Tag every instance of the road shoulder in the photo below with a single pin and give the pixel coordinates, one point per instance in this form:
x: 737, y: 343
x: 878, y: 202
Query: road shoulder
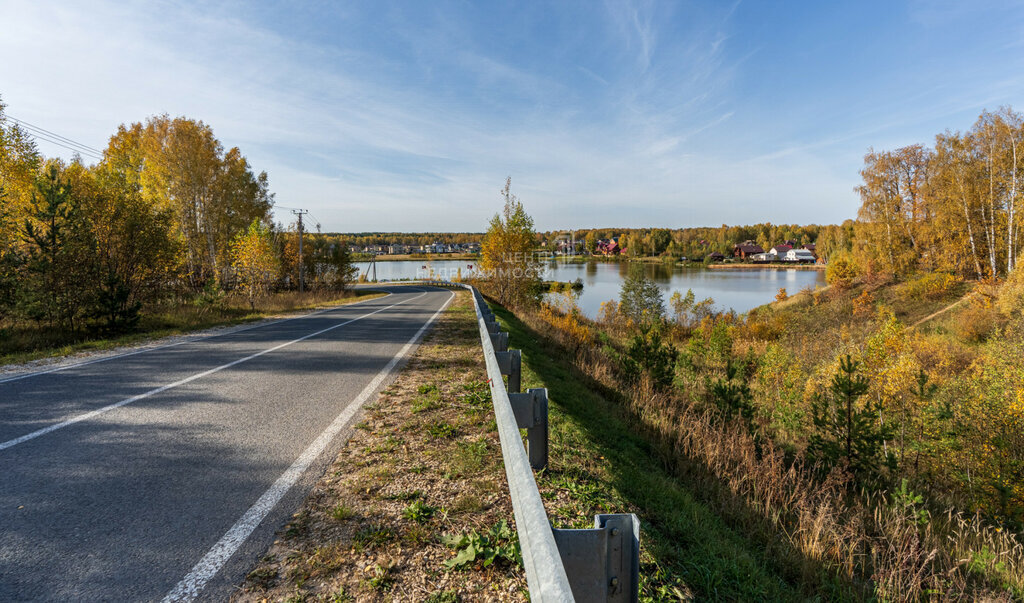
x: 424, y: 463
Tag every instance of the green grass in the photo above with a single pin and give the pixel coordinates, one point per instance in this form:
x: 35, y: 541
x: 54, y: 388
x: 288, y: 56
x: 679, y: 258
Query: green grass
x: 342, y: 512
x: 442, y: 431
x: 418, y: 511
x: 26, y: 341
x: 372, y: 536
x: 603, y: 467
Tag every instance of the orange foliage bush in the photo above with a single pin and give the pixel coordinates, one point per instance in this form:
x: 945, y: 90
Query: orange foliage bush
x: 864, y: 304
x: 564, y: 316
x: 978, y: 321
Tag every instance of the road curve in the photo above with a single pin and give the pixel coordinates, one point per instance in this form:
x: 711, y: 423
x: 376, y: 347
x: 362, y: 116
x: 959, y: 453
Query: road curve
x: 161, y: 475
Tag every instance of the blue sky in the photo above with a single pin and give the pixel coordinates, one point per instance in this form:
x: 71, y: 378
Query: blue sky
x: 409, y: 115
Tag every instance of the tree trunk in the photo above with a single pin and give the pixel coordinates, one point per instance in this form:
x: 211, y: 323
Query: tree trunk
x: 1010, y: 260
x: 992, y: 213
x: 970, y: 236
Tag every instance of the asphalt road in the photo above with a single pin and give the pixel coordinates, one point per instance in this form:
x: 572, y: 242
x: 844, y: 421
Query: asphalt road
x: 164, y: 474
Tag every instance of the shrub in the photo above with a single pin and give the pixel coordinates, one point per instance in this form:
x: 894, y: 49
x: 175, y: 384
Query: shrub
x: 841, y: 272
x: 1011, y: 296
x: 609, y: 312
x: 934, y: 285
x: 565, y: 318
x: 781, y: 296
x: 977, y: 322
x: 210, y: 298
x: 764, y: 326
x: 864, y: 304
x: 687, y: 311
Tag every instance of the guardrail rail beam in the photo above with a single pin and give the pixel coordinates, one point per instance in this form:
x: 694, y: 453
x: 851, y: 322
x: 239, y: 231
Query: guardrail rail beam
x: 601, y: 564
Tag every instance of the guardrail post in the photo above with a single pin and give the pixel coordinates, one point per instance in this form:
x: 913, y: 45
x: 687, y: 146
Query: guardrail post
x: 500, y: 341
x: 603, y: 563
x: 531, y: 411
x: 511, y: 364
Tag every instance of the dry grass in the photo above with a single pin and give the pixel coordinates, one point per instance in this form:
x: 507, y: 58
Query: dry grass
x: 23, y: 341
x: 424, y: 461
x: 824, y: 540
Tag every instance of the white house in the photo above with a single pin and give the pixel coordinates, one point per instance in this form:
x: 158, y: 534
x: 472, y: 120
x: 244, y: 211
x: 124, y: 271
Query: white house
x: 799, y: 255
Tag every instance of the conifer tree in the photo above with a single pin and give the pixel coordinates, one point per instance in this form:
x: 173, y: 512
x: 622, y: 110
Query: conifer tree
x: 60, y: 268
x: 848, y: 431
x: 640, y: 298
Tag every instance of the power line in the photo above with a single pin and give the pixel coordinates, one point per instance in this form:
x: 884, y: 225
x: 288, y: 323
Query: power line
x: 315, y: 219
x: 68, y: 147
x: 43, y: 138
x: 294, y: 210
x: 46, y: 132
x: 54, y: 138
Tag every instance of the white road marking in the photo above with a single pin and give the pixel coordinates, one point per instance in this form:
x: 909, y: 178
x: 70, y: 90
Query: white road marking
x: 152, y: 392
x: 171, y: 345
x: 211, y: 563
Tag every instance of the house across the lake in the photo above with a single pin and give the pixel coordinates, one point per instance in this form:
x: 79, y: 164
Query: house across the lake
x: 746, y: 249
x: 608, y: 247
x: 799, y: 255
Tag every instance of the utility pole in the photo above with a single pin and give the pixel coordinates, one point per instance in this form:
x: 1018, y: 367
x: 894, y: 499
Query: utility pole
x: 302, y: 283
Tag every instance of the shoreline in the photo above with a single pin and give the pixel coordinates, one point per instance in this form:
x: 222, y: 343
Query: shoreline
x: 408, y: 257
x: 463, y: 257
x: 816, y: 267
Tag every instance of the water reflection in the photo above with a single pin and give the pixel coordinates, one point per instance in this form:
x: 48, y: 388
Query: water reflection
x: 740, y: 290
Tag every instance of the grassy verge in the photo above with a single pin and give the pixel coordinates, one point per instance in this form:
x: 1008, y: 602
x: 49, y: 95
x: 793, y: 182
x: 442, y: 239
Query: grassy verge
x: 24, y: 342
x: 423, y: 464
x: 600, y: 465
x: 821, y: 536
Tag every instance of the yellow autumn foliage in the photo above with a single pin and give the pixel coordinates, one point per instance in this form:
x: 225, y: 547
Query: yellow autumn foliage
x: 255, y: 261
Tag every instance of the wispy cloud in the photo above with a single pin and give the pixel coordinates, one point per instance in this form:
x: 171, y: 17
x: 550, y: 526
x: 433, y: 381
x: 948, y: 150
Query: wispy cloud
x: 410, y: 116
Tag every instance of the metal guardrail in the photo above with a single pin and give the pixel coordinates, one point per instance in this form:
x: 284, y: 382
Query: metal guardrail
x: 597, y: 564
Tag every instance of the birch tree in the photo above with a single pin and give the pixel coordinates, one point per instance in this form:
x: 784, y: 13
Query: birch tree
x: 255, y: 261
x: 958, y: 207
x: 508, y: 255
x: 213, y: 194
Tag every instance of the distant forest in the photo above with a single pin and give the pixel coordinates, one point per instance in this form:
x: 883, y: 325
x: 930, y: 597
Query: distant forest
x: 692, y: 242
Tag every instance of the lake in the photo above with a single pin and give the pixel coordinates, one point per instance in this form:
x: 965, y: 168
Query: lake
x: 739, y: 290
